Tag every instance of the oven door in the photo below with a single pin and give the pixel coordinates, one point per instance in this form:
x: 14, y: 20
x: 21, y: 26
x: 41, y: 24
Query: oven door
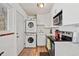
x: 66, y: 38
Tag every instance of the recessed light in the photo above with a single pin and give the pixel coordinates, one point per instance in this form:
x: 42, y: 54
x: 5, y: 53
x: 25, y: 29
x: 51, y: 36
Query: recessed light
x: 40, y: 5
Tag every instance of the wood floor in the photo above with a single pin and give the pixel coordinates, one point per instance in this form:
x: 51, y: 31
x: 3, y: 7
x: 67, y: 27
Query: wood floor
x: 33, y: 51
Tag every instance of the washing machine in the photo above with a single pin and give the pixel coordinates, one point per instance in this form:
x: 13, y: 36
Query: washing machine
x: 31, y: 25
x: 31, y: 40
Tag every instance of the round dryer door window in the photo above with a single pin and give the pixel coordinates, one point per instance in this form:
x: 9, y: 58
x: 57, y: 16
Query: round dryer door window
x: 30, y: 24
x: 30, y: 40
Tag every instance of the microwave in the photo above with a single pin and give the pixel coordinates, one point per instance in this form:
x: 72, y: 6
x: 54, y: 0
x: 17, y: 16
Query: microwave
x: 57, y: 19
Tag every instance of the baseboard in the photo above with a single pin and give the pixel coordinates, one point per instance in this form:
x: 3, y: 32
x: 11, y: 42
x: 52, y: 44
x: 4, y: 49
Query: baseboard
x: 41, y: 45
x: 20, y: 52
x: 30, y: 47
x: 46, y: 48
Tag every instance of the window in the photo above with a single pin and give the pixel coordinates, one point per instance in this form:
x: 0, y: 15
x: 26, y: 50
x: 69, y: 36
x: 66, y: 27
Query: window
x: 3, y: 18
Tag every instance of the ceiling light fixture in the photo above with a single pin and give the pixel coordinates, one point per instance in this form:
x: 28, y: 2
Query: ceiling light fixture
x: 40, y: 5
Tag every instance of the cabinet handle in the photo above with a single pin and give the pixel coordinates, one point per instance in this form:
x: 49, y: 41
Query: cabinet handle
x: 1, y: 53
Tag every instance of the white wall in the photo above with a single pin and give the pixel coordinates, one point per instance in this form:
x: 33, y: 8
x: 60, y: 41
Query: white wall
x: 67, y: 28
x: 18, y: 8
x: 46, y: 20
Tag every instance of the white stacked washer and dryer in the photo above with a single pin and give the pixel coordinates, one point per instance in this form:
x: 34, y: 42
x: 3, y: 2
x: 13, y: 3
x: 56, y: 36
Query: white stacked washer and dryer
x: 30, y: 41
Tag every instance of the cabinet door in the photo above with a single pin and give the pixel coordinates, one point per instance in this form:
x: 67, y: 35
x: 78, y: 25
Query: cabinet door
x: 3, y: 45
x: 7, y: 44
x: 70, y: 13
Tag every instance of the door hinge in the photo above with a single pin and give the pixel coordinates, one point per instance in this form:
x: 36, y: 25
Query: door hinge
x: 24, y: 43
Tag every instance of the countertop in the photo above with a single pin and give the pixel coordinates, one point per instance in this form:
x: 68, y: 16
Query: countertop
x: 4, y: 33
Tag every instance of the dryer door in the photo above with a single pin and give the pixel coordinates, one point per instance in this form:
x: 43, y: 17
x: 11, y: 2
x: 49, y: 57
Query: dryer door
x: 30, y: 26
x: 30, y: 40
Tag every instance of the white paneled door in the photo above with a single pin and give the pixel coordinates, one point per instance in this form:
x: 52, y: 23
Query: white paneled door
x: 19, y: 32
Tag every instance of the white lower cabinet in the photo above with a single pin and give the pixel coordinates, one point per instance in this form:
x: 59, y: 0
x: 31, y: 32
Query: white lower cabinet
x: 66, y: 49
x: 7, y: 44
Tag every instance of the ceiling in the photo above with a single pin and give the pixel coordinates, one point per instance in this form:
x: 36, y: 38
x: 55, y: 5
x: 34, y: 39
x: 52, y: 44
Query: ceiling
x: 32, y: 9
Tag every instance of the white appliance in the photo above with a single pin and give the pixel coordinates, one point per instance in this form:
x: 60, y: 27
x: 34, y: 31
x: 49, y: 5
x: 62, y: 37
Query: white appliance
x: 76, y: 37
x: 41, y: 39
x: 31, y: 25
x: 30, y: 40
x: 66, y: 36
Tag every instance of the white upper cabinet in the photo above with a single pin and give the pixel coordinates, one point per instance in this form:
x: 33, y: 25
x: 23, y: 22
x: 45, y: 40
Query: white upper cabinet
x: 70, y: 12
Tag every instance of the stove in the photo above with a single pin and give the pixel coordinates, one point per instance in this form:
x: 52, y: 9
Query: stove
x: 66, y: 36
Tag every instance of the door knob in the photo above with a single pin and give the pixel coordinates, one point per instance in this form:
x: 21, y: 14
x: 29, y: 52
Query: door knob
x: 17, y: 36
